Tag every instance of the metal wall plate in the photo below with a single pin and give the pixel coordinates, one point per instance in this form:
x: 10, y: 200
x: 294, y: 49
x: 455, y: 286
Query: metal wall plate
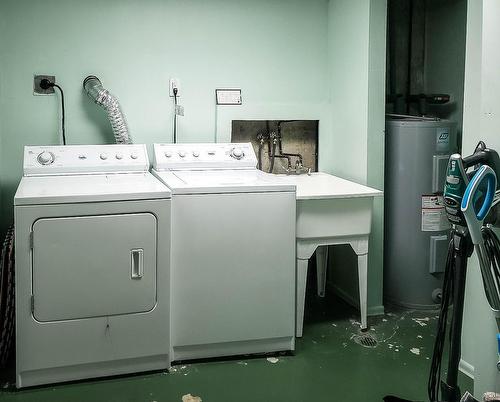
x: 37, y: 90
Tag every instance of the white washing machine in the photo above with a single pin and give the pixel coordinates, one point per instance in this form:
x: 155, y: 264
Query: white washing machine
x: 92, y: 230
x: 233, y: 252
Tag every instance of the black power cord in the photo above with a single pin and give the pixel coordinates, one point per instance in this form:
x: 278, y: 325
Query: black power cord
x: 46, y: 84
x: 175, y: 90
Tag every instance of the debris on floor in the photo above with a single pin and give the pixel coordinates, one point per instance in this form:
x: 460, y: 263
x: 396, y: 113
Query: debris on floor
x: 421, y: 321
x: 190, y: 398
x: 326, y: 349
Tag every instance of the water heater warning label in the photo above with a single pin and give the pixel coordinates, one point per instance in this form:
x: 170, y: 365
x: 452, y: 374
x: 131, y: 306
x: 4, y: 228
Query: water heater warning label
x: 434, y: 217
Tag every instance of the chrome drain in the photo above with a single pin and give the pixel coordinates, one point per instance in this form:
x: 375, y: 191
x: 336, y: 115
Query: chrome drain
x: 366, y: 340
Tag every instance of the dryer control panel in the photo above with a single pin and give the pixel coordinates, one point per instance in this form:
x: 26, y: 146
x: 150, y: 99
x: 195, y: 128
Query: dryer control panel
x: 85, y: 159
x: 204, y: 156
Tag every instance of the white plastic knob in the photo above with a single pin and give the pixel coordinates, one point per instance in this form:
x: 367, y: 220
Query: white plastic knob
x: 104, y: 156
x: 134, y: 155
x: 119, y: 155
x: 182, y: 154
x: 237, y: 153
x: 168, y: 154
x: 196, y: 154
x: 46, y: 158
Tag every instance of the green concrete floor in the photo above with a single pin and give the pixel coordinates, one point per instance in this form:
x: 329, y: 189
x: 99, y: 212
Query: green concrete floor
x: 328, y: 366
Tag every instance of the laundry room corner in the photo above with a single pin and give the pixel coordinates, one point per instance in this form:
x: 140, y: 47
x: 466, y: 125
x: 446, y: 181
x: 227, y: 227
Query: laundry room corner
x: 357, y: 96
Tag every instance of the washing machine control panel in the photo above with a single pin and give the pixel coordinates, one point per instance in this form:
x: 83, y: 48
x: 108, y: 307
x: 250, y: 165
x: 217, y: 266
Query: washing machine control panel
x: 204, y: 156
x: 85, y: 159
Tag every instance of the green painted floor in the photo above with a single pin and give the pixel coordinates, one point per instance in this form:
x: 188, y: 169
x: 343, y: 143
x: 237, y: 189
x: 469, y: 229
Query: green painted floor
x: 328, y: 366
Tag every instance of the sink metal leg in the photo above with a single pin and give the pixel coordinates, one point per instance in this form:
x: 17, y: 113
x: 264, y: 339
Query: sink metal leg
x: 363, y: 288
x: 321, y: 267
x: 301, y: 295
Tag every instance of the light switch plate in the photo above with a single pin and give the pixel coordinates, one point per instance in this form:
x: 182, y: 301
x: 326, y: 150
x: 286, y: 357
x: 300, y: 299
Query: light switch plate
x: 37, y: 90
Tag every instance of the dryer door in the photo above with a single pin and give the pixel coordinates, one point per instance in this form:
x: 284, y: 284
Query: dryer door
x: 91, y: 266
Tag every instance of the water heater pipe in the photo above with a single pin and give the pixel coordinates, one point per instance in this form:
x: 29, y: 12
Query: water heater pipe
x: 94, y: 89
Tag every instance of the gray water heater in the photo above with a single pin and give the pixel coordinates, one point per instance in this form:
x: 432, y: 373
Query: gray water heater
x: 416, y: 228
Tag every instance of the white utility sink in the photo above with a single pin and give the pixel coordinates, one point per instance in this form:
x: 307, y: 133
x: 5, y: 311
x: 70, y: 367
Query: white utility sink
x: 330, y: 211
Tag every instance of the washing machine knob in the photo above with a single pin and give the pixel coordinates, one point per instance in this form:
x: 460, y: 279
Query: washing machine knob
x: 103, y: 156
x: 237, y: 153
x: 46, y: 158
x: 168, y: 154
x: 196, y: 154
x: 119, y: 155
x: 134, y: 155
x: 182, y: 154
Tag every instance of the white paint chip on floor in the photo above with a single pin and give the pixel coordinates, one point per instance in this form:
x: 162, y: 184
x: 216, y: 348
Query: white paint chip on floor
x: 421, y: 321
x: 415, y: 351
x: 273, y: 360
x: 190, y: 398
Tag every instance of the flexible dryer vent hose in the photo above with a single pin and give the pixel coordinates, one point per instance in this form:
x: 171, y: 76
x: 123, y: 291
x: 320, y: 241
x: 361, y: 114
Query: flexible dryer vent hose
x: 94, y: 89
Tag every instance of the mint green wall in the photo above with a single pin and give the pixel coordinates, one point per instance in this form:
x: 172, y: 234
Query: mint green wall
x: 357, y: 38
x: 348, y: 43
x: 292, y: 58
x: 375, y: 146
x: 276, y: 51
x: 481, y: 121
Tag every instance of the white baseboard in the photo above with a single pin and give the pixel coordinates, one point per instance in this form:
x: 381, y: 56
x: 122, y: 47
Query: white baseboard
x: 466, y: 368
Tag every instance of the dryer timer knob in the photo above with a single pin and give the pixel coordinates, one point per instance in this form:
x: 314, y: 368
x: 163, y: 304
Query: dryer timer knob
x: 46, y: 158
x: 237, y: 153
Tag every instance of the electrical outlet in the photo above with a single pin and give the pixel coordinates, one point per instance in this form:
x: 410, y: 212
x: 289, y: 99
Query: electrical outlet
x: 37, y: 90
x: 174, y: 83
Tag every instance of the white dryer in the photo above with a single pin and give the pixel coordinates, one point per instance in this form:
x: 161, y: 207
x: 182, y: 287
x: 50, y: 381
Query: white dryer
x: 233, y: 252
x: 92, y: 229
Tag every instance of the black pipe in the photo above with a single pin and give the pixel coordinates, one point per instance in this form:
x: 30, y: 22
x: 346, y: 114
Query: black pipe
x: 280, y: 146
x: 271, y: 156
x: 259, y: 163
x: 289, y: 162
x: 410, y: 44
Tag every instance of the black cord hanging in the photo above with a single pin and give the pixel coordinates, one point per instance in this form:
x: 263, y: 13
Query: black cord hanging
x: 63, y: 112
x: 45, y: 84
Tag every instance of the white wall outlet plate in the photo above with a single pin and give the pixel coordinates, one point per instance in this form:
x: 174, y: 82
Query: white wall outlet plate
x: 174, y: 83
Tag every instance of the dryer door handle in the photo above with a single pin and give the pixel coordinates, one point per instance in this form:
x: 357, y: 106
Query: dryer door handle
x: 136, y: 263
